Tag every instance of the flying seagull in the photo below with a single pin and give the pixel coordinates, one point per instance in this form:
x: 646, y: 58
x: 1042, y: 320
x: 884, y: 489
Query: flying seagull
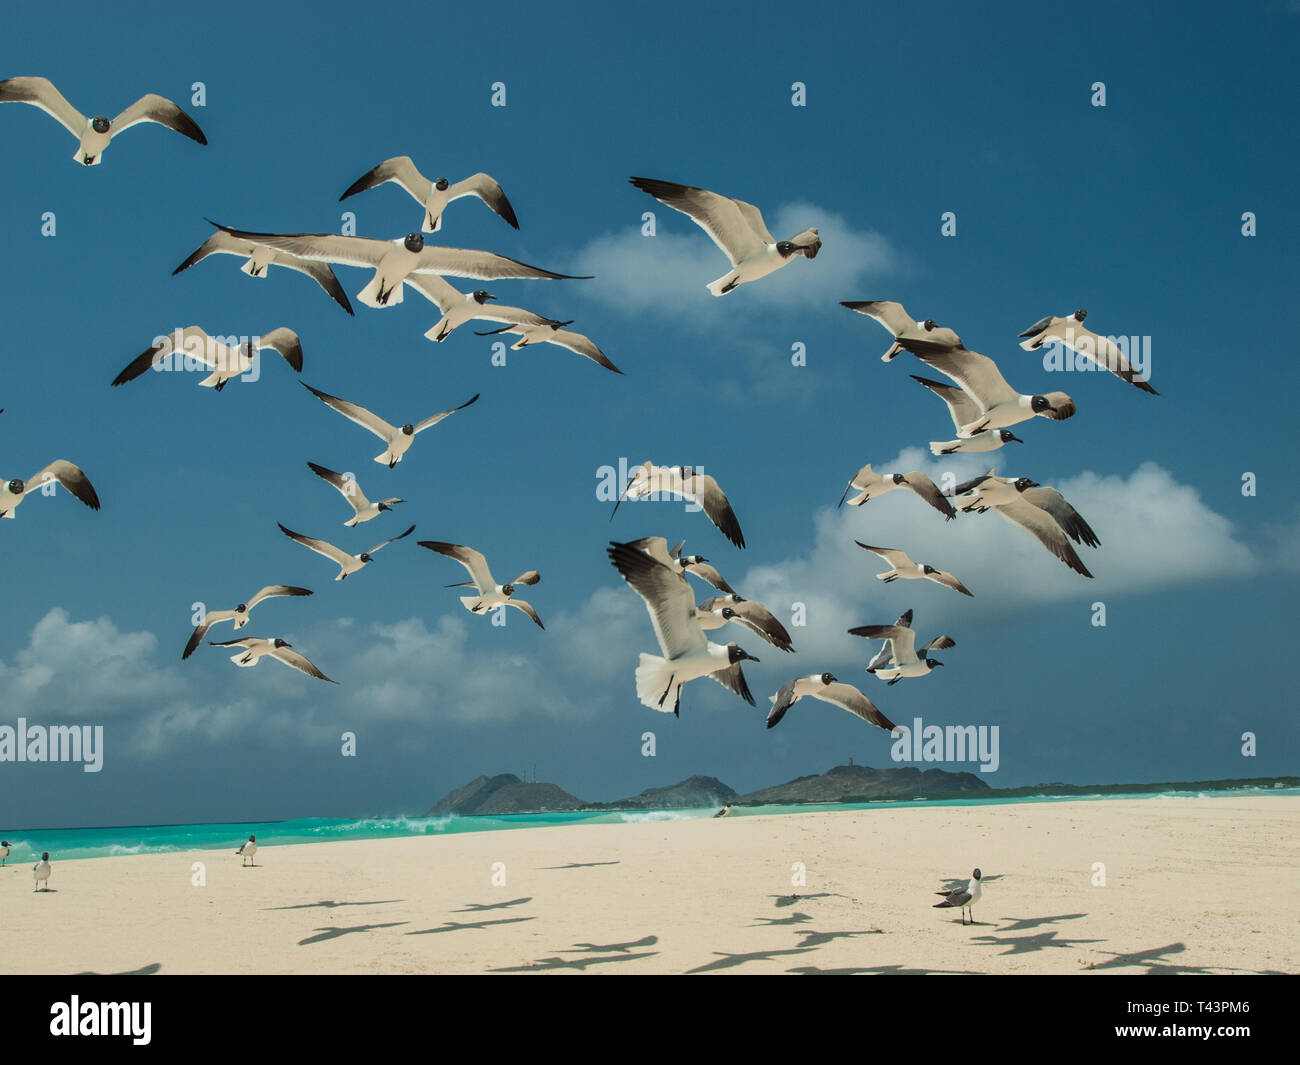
x: 898, y: 657
x: 393, y: 261
x: 239, y: 615
x: 41, y: 873
x: 869, y: 485
x: 259, y: 259
x: 922, y: 335
x: 902, y: 566
x: 998, y: 404
x: 752, y: 615
x: 434, y: 195
x: 94, y: 134
x: 65, y: 473
x: 225, y: 362
x: 657, y: 548
x: 247, y: 850
x: 255, y: 649
x: 363, y: 509
x: 490, y: 594
x: 548, y: 331
x: 1101, y: 351
x: 964, y: 410
x: 825, y: 687
x: 686, y: 483
x: 1041, y: 511
x: 687, y: 652
x: 348, y: 564
x: 963, y: 897
x: 737, y: 228
x: 398, y: 439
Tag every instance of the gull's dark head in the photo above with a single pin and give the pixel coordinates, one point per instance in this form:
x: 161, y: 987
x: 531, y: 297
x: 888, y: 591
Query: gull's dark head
x: 928, y: 569
x: 1080, y: 315
x: 252, y: 839
x: 828, y: 678
x: 442, y: 184
x: 414, y: 242
x: 45, y: 856
x: 100, y: 124
x: 480, y: 296
x: 383, y: 506
x: 786, y: 248
x: 932, y: 662
x: 1022, y: 483
x: 976, y: 874
x: 16, y: 487
x: 507, y: 590
x: 693, y: 560
x: 364, y: 556
x: 1039, y: 404
x: 242, y: 608
x: 281, y: 643
x: 928, y: 325
x: 408, y: 429
x: 735, y: 654
x: 1007, y: 436
x: 898, y: 478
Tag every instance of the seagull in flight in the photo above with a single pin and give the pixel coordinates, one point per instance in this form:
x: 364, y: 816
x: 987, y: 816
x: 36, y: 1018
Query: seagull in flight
x: 898, y: 658
x: 255, y: 649
x: 397, y: 438
x: 716, y: 612
x: 870, y: 485
x: 687, y: 652
x: 434, y: 195
x: 737, y: 228
x: 65, y: 473
x: 259, y: 260
x: 348, y: 564
x: 828, y: 689
x: 1101, y: 351
x: 239, y: 615
x: 393, y: 261
x: 1038, y: 509
x: 689, y: 484
x: 225, y: 362
x: 93, y: 134
x: 490, y: 594
x: 963, y: 897
x: 902, y: 566
x: 963, y: 411
x: 657, y: 548
x: 363, y: 509
x: 905, y: 328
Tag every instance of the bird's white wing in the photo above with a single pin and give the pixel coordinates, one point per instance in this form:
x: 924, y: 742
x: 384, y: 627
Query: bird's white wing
x: 849, y: 698
x: 401, y: 171
x: 581, y: 345
x: 486, y: 189
x: 483, y: 265
x: 896, y: 558
x: 321, y: 547
x: 40, y: 92
x: 469, y: 558
x: 155, y: 108
x: 272, y: 591
x: 391, y: 539
x: 347, y: 486
x: 290, y: 657
x: 527, y: 609
x: 667, y: 598
x: 977, y: 374
x: 1069, y: 519
x: 323, y: 247
x: 1045, y: 529
x: 736, y: 227
x: 68, y: 475
x: 705, y: 489
x: 888, y: 313
x: 961, y: 406
x: 436, y: 418
x: 355, y: 413
x: 285, y: 342
x: 437, y: 291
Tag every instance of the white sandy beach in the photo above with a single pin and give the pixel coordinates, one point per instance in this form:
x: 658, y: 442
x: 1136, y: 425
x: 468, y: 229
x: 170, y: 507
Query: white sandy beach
x: 1192, y: 885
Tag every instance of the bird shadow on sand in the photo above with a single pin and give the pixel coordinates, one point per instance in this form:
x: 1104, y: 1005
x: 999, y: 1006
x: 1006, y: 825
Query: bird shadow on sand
x: 612, y: 948
x: 330, y: 904
x: 144, y: 970
x: 879, y: 970
x: 335, y: 933
x: 581, y: 964
x: 579, y: 865
x: 464, y: 926
x: 1029, y: 944
x: 730, y: 961
x: 771, y: 922
x: 480, y: 907
x: 1023, y: 924
x: 820, y: 939
x: 1153, y: 962
x: 790, y: 900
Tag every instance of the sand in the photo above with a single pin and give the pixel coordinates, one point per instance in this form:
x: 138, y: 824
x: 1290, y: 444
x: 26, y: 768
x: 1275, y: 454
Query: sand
x: 1191, y: 885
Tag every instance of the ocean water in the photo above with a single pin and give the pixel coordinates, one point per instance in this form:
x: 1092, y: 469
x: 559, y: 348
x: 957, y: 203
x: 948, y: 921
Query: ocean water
x: 64, y: 844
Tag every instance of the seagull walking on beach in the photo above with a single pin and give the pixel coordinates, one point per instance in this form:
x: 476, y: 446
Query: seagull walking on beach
x: 899, y: 657
x: 71, y: 477
x: 490, y: 594
x: 225, y: 362
x: 686, y: 483
x: 256, y: 648
x: 901, y: 566
x: 905, y: 328
x: 398, y: 439
x: 963, y: 897
x: 348, y: 564
x: 363, y: 509
x: 828, y: 689
x: 1101, y: 351
x: 94, y: 134
x: 687, y: 652
x: 434, y: 195
x: 870, y: 485
x: 737, y: 228
x: 239, y: 615
x: 41, y: 873
x: 247, y: 850
x: 964, y: 411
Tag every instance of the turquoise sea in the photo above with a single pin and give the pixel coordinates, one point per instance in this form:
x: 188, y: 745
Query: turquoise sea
x: 67, y: 843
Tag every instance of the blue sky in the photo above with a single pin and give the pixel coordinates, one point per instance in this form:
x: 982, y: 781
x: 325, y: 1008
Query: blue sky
x: 1132, y: 211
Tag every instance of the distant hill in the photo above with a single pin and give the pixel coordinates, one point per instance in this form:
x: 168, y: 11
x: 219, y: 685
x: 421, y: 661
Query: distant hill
x: 505, y: 794
x: 692, y: 792
x: 860, y: 783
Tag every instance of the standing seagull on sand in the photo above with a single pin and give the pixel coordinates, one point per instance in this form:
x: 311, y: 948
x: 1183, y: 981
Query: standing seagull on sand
x: 363, y: 509
x: 41, y: 871
x: 71, y: 477
x: 869, y: 485
x: 247, y: 850
x: 737, y: 228
x: 905, y: 328
x: 963, y: 897
x: 898, y: 657
x: 963, y: 410
x: 256, y: 648
x: 687, y: 652
x: 93, y: 134
x: 825, y: 687
x: 4, y: 851
x: 398, y: 439
x: 490, y: 594
x: 348, y: 564
x: 685, y: 483
x: 239, y: 615
x: 902, y: 566
x: 434, y: 195
x: 1101, y: 351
